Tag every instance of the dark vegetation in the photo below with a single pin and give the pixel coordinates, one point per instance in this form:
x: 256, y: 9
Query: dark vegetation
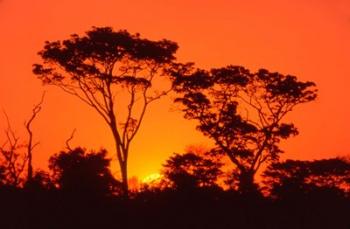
x: 243, y: 112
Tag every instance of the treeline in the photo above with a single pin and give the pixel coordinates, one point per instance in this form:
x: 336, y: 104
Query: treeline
x: 194, y: 191
x: 78, y: 172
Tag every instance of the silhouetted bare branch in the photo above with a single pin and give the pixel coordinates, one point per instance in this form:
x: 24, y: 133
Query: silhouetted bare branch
x: 68, y: 147
x: 13, y: 159
x: 30, y: 145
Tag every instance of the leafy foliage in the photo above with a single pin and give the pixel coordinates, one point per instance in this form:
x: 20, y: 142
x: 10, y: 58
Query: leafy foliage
x: 189, y: 170
x: 78, y: 172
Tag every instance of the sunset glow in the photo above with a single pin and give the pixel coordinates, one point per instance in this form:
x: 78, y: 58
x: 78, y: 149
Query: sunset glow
x: 309, y: 39
x: 154, y: 177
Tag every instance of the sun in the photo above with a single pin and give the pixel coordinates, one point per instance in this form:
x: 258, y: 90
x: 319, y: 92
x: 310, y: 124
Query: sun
x: 152, y: 178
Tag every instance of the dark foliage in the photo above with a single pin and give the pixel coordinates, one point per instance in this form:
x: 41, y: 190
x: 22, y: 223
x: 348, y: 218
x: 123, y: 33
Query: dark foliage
x: 80, y: 173
x: 293, y: 178
x: 83, y: 198
x: 190, y: 170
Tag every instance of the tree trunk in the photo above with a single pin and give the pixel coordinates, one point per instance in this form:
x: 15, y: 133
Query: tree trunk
x: 246, y: 183
x: 123, y: 161
x: 124, y: 173
x: 30, y: 168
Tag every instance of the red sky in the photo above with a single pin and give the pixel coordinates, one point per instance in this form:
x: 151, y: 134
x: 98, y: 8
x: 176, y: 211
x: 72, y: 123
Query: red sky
x: 309, y: 39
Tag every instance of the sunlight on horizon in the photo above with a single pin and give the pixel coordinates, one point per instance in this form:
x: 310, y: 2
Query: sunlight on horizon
x: 152, y: 178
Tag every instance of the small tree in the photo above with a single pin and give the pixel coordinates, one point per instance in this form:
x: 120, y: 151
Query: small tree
x: 13, y: 158
x: 242, y: 112
x: 190, y: 170
x: 115, y: 73
x: 78, y: 172
x: 16, y: 156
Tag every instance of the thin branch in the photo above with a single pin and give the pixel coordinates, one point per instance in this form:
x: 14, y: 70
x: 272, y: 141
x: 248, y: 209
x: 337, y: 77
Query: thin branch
x: 13, y: 166
x: 70, y: 139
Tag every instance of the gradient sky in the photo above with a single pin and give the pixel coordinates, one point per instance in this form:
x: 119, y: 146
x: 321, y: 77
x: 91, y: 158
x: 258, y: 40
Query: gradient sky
x: 309, y: 39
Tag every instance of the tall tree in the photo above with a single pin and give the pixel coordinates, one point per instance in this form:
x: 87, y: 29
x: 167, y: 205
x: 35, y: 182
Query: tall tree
x: 115, y: 73
x: 242, y: 112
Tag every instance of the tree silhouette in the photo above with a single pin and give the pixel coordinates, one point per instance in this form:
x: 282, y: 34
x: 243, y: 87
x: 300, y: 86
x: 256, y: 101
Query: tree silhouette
x: 81, y: 173
x: 16, y: 155
x: 31, y: 145
x: 242, y: 112
x: 291, y: 177
x: 41, y: 180
x: 115, y: 73
x: 13, y: 158
x: 189, y: 170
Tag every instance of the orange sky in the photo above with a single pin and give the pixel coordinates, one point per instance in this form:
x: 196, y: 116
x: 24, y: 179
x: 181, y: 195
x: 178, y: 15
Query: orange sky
x: 310, y: 39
